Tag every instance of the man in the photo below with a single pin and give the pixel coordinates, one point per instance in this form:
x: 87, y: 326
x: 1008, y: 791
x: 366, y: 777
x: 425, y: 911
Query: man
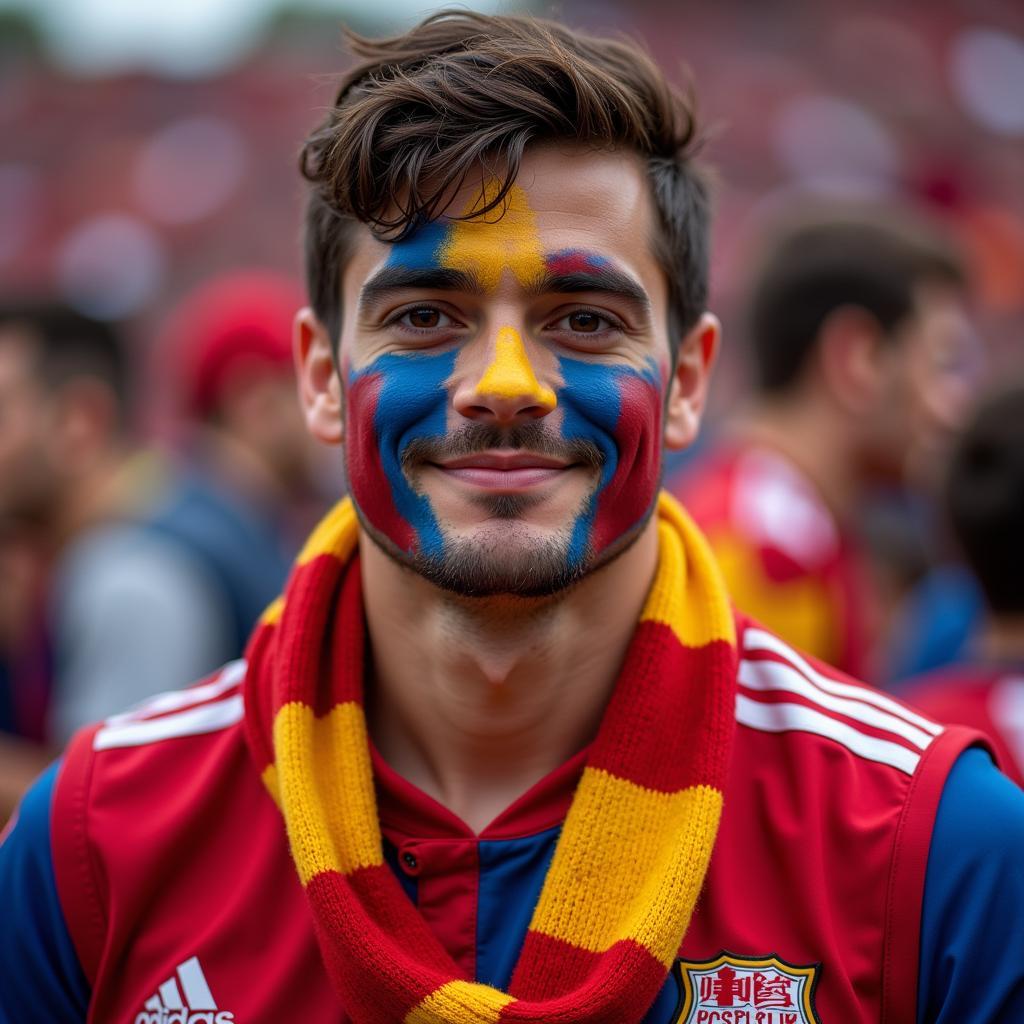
x: 66, y: 467
x: 863, y: 359
x: 247, y: 464
x: 984, y: 496
x: 496, y: 707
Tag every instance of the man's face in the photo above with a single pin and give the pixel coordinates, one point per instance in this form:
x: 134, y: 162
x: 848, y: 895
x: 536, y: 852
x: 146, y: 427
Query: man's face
x: 937, y: 367
x: 505, y: 379
x: 27, y: 473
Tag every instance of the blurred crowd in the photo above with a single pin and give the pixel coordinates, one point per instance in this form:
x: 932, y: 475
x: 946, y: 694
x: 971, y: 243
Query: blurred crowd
x: 860, y: 474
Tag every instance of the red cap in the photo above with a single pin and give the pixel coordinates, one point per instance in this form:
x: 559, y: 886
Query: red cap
x: 244, y: 317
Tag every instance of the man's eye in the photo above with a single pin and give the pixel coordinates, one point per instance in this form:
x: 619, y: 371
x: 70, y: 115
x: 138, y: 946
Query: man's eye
x: 584, y: 321
x: 425, y: 318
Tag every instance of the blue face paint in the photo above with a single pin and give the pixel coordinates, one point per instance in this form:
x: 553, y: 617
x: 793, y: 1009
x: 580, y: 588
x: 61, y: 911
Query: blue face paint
x: 422, y: 250
x: 618, y: 409
x: 397, y: 399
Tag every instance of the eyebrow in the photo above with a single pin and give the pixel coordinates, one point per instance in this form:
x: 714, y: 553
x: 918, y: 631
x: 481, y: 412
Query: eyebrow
x: 395, y: 278
x: 602, y: 278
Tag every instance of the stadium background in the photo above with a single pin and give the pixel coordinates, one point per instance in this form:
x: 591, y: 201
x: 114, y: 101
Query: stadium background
x: 147, y: 147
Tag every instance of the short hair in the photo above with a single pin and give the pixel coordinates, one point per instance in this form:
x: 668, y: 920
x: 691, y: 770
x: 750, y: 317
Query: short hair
x: 984, y: 497
x: 461, y: 90
x: 820, y: 260
x: 66, y: 346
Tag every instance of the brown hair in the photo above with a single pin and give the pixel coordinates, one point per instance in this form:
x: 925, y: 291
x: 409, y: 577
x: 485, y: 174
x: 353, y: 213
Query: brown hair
x: 816, y: 259
x: 462, y: 92
x: 984, y: 496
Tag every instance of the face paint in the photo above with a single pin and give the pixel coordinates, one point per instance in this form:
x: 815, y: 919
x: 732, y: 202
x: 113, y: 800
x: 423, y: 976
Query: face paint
x: 400, y: 402
x: 619, y: 410
x: 395, y: 400
x: 484, y: 249
x: 511, y: 376
x: 401, y: 398
x: 572, y: 261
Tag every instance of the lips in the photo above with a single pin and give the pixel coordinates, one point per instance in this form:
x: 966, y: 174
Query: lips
x: 504, y: 471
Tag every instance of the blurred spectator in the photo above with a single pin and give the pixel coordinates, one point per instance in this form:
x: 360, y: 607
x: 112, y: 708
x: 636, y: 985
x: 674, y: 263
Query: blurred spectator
x: 66, y: 467
x: 985, y: 499
x: 222, y: 530
x: 858, y: 326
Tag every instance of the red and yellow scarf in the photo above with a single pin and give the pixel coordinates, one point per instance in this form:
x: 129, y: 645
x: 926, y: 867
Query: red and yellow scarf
x: 636, y: 842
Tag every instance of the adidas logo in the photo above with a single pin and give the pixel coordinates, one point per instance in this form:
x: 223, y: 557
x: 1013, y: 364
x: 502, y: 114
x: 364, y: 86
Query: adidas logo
x: 184, y: 998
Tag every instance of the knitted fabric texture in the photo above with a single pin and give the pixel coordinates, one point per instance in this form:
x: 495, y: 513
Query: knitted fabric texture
x: 635, y: 845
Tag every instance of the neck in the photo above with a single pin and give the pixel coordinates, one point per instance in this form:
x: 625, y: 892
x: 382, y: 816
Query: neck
x: 813, y: 441
x: 1003, y: 639
x: 475, y: 699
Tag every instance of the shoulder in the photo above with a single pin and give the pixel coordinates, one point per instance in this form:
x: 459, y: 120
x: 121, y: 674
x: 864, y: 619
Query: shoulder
x: 849, y: 780
x: 141, y: 784
x: 41, y: 978
x: 971, y: 927
x: 755, y: 496
x: 852, y: 725
x: 205, y: 709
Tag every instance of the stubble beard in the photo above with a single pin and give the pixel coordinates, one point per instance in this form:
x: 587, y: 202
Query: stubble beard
x: 505, y: 558
x: 510, y: 562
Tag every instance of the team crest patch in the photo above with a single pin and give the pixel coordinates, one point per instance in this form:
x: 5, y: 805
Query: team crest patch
x: 746, y: 990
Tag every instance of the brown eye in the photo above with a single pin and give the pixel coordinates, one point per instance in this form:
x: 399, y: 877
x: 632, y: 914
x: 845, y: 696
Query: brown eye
x: 584, y: 322
x: 424, y: 318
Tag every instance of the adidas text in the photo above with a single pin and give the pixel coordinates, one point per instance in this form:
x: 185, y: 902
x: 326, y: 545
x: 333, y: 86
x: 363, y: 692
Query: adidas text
x: 185, y: 1017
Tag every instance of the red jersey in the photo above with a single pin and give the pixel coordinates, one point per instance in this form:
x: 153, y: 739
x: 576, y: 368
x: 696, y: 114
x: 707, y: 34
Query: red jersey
x: 183, y: 903
x: 987, y: 698
x: 786, y: 560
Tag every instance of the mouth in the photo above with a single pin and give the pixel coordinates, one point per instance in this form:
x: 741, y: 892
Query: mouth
x: 508, y: 472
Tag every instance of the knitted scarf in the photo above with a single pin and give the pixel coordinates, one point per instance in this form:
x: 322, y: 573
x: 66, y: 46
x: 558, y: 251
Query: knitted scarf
x: 635, y: 845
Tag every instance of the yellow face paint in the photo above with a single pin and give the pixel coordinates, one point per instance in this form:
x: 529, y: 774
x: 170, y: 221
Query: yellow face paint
x: 506, y: 239
x: 510, y: 374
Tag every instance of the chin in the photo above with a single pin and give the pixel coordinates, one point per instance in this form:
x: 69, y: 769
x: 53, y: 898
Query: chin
x: 502, y: 556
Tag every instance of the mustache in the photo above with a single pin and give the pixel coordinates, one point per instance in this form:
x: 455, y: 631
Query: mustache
x: 481, y: 437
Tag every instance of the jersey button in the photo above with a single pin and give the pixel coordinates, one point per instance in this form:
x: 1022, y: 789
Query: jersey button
x: 410, y: 862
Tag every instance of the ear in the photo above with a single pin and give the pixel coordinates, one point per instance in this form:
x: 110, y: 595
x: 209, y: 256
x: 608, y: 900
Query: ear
x: 688, y: 389
x: 318, y: 379
x: 853, y: 360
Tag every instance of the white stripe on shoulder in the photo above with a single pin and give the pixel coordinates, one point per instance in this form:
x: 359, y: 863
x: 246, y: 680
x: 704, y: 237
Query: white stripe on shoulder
x: 767, y: 676
x: 760, y: 640
x: 799, y: 718
x: 172, y: 700
x: 191, y: 722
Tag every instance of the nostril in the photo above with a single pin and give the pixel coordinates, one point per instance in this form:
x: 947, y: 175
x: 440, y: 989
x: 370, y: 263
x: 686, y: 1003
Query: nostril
x: 536, y: 411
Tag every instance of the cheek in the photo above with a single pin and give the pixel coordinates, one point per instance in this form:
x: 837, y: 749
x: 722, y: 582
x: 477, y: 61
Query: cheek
x: 371, y: 489
x: 627, y: 497
x: 621, y: 412
x: 399, y: 399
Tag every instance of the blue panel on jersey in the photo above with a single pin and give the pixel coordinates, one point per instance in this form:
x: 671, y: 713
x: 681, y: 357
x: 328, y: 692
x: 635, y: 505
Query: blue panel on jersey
x: 41, y: 978
x: 663, y: 1009
x: 511, y: 875
x: 972, y: 926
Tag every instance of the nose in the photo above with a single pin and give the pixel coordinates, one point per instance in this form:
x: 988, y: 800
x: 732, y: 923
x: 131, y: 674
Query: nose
x: 508, y: 389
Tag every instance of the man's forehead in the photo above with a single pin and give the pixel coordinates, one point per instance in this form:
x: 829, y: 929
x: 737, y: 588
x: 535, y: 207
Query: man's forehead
x: 562, y: 200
